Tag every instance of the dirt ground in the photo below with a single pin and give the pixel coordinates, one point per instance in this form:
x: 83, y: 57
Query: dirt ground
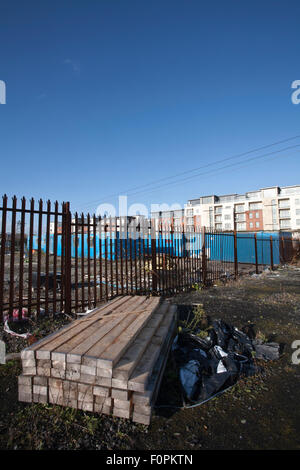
x: 259, y: 412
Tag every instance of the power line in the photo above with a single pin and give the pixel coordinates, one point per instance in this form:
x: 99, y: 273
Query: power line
x: 221, y: 169
x: 217, y: 170
x: 191, y: 171
x: 225, y: 166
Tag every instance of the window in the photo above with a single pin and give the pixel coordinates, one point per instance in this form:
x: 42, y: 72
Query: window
x: 240, y: 217
x: 253, y: 206
x: 190, y: 221
x: 239, y: 208
x: 284, y: 203
x: 297, y: 221
x: 257, y: 215
x: 251, y: 225
x: 257, y: 224
x: 250, y: 215
x: 241, y: 226
x: 285, y: 223
x: 218, y: 226
x: 189, y: 212
x: 297, y: 211
x: 274, y: 212
x: 227, y: 217
x: 284, y: 213
x: 228, y: 226
x: 297, y: 202
x: 218, y: 218
x: 218, y: 210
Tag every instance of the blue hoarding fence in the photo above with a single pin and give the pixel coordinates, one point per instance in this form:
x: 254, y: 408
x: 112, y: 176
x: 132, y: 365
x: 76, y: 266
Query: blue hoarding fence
x: 219, y: 246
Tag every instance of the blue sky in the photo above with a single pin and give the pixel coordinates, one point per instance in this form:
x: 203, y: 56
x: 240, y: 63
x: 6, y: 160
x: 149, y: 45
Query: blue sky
x: 108, y: 95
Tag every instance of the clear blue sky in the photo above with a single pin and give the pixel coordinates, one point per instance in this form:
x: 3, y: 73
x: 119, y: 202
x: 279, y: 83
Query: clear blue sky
x: 106, y: 95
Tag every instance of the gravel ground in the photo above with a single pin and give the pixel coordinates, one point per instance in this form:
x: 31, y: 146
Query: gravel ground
x: 259, y: 412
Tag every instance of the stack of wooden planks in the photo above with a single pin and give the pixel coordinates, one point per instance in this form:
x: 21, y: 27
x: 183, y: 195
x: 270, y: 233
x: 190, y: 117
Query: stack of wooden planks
x: 110, y: 361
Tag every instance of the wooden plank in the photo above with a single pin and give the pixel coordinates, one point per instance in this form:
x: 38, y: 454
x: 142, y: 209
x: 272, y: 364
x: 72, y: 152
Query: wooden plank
x: 103, y: 381
x: 142, y: 409
x: 121, y: 394
x: 149, y: 395
x: 113, y: 353
x: 97, y: 348
x: 40, y: 381
x: 84, y: 342
x: 140, y: 418
x: 122, y: 404
x: 120, y: 413
x: 101, y: 391
x: 25, y: 380
x: 130, y: 359
x: 141, y: 374
x: 26, y: 397
x: 29, y: 370
x: 52, y: 341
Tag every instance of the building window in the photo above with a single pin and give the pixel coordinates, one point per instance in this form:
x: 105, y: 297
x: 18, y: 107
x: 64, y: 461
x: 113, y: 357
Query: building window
x: 257, y: 224
x: 285, y: 223
x: 257, y: 215
x: 218, y: 226
x: 228, y: 226
x: 190, y: 221
x: 241, y: 226
x: 189, y: 212
x: 239, y: 207
x: 284, y: 203
x: 253, y: 206
x: 227, y: 217
x: 218, y: 218
x: 250, y: 215
x: 240, y: 217
x: 218, y: 210
x: 297, y: 202
x: 297, y: 221
x: 297, y: 211
x: 251, y: 225
x: 284, y: 213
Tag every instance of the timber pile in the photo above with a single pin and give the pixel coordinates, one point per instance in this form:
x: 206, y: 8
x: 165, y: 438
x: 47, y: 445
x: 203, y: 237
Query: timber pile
x: 110, y: 361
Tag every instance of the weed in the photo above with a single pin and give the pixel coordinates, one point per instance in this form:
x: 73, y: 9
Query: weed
x: 199, y: 319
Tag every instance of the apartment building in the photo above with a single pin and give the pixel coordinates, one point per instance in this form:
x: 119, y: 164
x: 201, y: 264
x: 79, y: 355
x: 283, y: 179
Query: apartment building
x: 268, y: 209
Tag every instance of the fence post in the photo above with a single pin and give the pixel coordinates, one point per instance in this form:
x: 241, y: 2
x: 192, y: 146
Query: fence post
x: 282, y: 249
x: 271, y: 252
x: 204, y: 267
x: 255, y: 247
x: 235, y: 256
x: 67, y: 258
x: 153, y: 260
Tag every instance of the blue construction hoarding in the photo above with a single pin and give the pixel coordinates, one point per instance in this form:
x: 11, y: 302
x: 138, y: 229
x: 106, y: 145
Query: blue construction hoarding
x: 219, y: 246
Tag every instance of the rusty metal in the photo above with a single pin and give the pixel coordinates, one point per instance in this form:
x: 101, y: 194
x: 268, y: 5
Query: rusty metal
x: 67, y: 260
x: 31, y: 224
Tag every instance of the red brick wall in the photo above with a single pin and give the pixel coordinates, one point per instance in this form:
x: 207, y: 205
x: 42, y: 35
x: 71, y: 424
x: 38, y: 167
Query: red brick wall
x: 254, y: 219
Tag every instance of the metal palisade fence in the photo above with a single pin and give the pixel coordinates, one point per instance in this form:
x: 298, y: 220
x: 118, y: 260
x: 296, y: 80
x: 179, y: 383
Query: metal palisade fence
x: 53, y: 262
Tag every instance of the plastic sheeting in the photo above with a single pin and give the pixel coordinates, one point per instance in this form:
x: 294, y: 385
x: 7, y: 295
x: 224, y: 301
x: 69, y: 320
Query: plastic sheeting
x: 211, y: 365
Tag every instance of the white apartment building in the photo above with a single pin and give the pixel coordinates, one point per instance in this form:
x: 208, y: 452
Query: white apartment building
x: 268, y: 209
